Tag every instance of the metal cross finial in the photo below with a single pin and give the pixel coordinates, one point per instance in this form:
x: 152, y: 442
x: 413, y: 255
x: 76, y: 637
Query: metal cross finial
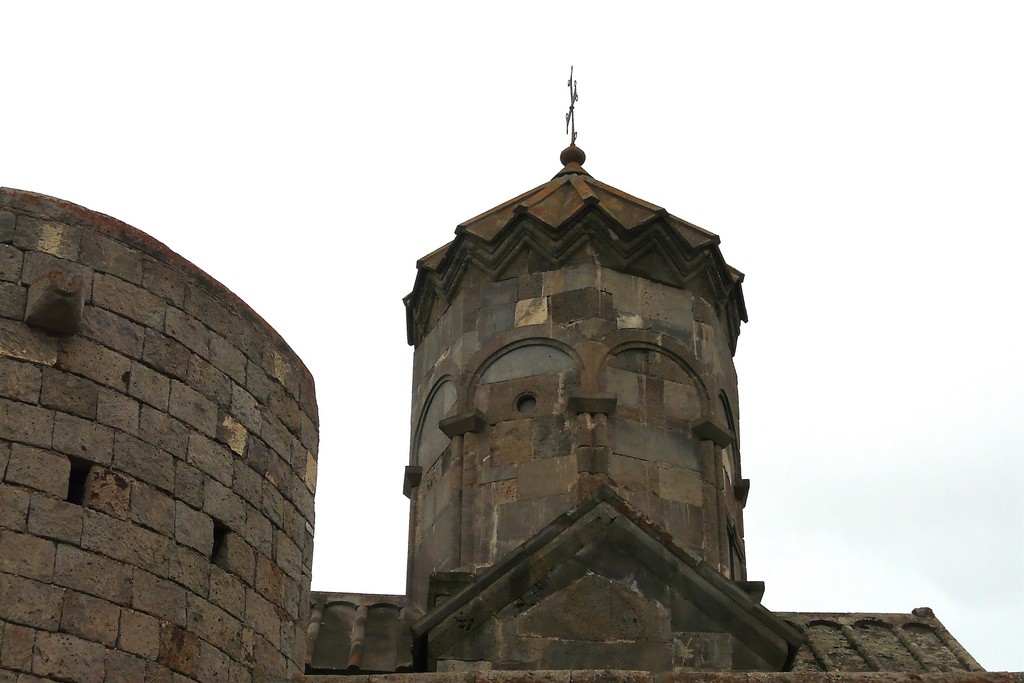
x: 570, y: 118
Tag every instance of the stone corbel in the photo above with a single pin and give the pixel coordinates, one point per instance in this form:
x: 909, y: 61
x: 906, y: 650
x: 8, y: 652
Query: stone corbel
x: 592, y: 403
x: 709, y: 429
x: 741, y: 490
x: 457, y: 425
x: 56, y: 302
x: 413, y: 477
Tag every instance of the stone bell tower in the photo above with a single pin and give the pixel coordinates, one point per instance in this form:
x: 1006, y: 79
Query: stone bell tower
x: 572, y: 338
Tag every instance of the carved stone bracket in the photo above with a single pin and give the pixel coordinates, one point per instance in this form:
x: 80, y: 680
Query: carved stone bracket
x: 457, y: 425
x: 710, y: 430
x: 56, y: 302
x: 413, y: 476
x: 592, y: 403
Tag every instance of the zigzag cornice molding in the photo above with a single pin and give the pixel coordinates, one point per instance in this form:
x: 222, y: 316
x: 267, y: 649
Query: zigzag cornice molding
x: 606, y: 243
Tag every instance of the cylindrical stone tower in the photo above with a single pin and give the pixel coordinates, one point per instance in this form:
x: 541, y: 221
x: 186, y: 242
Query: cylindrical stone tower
x: 570, y: 337
x: 158, y: 447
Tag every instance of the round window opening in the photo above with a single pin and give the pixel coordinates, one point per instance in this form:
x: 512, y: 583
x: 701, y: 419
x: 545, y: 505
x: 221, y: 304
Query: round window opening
x: 526, y: 403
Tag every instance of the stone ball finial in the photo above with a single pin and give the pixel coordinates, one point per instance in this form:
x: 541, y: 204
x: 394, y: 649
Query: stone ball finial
x: 572, y: 155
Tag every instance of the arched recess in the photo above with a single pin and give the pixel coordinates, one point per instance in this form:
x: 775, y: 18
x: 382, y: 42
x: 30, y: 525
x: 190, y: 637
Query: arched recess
x: 654, y: 385
x: 541, y: 367
x: 431, y: 442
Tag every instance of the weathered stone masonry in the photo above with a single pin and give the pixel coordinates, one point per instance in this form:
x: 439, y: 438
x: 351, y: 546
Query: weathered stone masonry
x: 158, y: 445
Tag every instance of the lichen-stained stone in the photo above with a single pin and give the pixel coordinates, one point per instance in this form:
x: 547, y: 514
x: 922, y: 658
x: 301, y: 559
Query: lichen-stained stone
x: 30, y: 603
x: 49, y: 517
x: 22, y: 342
x: 26, y: 555
x: 531, y: 311
x: 90, y: 618
x: 179, y: 649
x: 55, y: 303
x: 66, y: 657
x: 16, y: 647
x: 43, y: 470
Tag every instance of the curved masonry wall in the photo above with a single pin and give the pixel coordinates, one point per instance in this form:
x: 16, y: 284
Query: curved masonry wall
x: 158, y: 466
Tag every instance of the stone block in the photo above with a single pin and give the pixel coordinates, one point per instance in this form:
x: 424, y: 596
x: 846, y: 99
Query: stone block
x: 165, y: 354
x: 189, y: 484
x: 511, y: 442
x: 224, y: 505
x: 14, y: 507
x: 20, y: 342
x: 270, y: 580
x: 547, y: 477
x: 39, y: 469
x: 227, y: 592
x: 158, y: 597
x: 679, y: 484
x: 163, y: 281
x: 231, y: 432
x: 153, y: 509
x: 20, y: 382
x: 27, y: 556
x: 27, y: 423
x: 98, y: 363
x: 209, y: 381
x: 532, y: 311
x: 93, y: 574
x: 215, y: 626
x: 125, y: 542
x: 124, y: 298
x: 163, y: 431
x: 245, y: 408
x: 69, y: 393
x: 187, y: 330
x: 139, y: 634
x: 12, y: 300
x: 247, y: 483
x: 109, y: 256
x: 149, y: 386
x: 49, y: 517
x: 108, y: 491
x: 580, y: 304
x: 190, y: 569
x: 10, y: 262
x: 16, y: 647
x: 55, y: 302
x: 30, y: 603
x: 83, y: 439
x: 261, y: 616
x: 193, y: 528
x: 89, y: 618
x: 493, y: 320
x: 65, y: 657
x: 124, y: 667
x: 110, y: 329
x: 287, y: 555
x: 37, y: 265
x: 117, y: 410
x: 211, y: 457
x: 179, y: 649
x: 228, y: 359
x: 236, y: 556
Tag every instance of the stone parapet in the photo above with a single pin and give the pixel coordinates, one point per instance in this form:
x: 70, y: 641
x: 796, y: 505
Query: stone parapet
x: 157, y: 462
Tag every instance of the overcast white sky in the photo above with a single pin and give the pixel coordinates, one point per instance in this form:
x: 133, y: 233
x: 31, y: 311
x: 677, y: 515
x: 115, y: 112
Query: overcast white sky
x: 861, y: 161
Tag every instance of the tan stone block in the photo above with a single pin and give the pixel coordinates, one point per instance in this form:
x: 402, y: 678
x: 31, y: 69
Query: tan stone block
x: 511, y: 442
x: 158, y: 597
x: 179, y: 649
x: 25, y: 555
x: 108, y: 491
x: 52, y: 518
x: 93, y: 574
x: 25, y: 423
x: 679, y: 484
x: 547, y: 477
x: 139, y: 634
x: 16, y: 648
x: 66, y: 657
x: 30, y: 603
x: 21, y: 342
x: 89, y: 618
x: 531, y: 311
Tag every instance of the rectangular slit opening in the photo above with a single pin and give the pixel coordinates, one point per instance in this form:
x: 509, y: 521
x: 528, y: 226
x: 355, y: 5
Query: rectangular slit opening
x: 76, y: 482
